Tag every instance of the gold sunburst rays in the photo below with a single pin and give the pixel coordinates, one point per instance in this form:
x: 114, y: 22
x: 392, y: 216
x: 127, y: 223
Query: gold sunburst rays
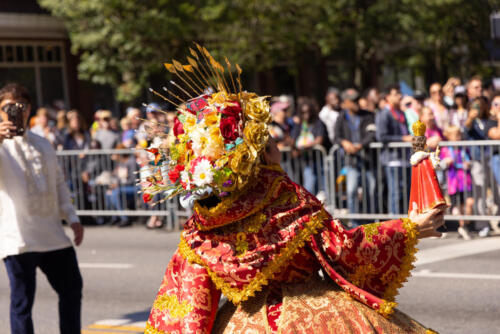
x: 201, y: 73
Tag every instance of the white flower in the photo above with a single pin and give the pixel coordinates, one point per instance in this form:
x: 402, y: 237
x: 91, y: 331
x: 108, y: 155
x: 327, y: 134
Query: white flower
x: 185, y: 179
x: 199, y: 135
x: 203, y: 174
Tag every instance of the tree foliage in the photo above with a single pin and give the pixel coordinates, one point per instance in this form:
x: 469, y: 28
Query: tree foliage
x: 124, y: 42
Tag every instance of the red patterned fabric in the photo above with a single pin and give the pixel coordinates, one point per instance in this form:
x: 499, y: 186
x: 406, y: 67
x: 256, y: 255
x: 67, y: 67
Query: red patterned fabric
x: 425, y: 189
x: 186, y: 302
x: 278, y: 233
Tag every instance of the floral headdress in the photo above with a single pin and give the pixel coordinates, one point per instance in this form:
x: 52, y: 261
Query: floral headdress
x: 217, y: 137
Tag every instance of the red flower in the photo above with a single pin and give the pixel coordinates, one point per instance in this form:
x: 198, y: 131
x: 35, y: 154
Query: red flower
x: 232, y: 111
x: 178, y: 129
x: 174, y: 174
x: 146, y: 197
x: 229, y: 129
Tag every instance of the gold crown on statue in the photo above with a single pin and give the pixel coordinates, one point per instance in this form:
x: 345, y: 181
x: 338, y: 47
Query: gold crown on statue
x: 418, y: 129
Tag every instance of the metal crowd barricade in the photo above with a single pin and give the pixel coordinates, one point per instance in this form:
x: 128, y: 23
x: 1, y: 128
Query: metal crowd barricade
x: 93, y: 178
x: 96, y: 185
x: 482, y: 166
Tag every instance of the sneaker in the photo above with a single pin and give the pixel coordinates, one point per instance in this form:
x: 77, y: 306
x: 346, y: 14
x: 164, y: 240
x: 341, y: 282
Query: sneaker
x: 484, y: 232
x: 464, y: 233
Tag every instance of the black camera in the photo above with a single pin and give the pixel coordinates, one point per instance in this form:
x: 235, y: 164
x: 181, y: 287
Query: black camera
x: 15, y: 115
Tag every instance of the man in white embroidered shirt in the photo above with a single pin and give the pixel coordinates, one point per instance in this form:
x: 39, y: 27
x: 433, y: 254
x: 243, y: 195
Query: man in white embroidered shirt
x: 34, y: 199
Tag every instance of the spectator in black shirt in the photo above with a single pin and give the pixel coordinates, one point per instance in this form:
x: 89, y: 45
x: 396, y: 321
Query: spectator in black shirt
x: 310, y: 132
x: 355, y: 130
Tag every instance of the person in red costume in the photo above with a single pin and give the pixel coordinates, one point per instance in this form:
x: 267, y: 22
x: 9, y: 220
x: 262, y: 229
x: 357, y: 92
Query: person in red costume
x: 260, y: 239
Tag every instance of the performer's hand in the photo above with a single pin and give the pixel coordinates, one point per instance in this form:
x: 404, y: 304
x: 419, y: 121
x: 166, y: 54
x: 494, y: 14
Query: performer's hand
x: 429, y: 222
x: 78, y: 232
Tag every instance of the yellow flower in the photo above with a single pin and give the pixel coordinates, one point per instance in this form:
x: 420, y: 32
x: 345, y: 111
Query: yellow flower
x: 211, y: 119
x: 221, y: 162
x: 256, y: 135
x: 189, y: 123
x: 242, y: 160
x: 222, y: 99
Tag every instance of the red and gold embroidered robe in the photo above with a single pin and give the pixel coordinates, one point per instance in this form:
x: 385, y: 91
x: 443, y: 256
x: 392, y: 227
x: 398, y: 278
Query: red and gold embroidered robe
x: 273, y: 234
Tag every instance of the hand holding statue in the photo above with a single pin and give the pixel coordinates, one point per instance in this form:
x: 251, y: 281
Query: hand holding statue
x: 428, y: 222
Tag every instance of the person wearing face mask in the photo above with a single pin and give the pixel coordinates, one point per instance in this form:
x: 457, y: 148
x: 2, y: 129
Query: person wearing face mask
x: 34, y: 199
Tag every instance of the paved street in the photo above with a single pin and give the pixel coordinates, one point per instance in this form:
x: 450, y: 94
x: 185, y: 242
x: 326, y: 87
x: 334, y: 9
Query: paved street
x: 455, y: 287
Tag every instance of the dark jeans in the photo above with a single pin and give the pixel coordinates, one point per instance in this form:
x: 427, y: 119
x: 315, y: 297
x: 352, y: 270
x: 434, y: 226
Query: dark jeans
x: 398, y: 186
x: 61, y: 268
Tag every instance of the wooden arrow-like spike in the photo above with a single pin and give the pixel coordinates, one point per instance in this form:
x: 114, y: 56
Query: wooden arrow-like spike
x: 182, y: 89
x: 238, y: 68
x: 163, y: 97
x: 221, y: 69
x: 207, y: 68
x: 169, y: 67
x: 193, y: 53
x: 189, y: 69
x: 152, y: 107
x: 202, y: 79
x: 180, y: 69
x: 211, y: 62
x: 174, y: 95
x: 230, y: 74
x: 177, y: 65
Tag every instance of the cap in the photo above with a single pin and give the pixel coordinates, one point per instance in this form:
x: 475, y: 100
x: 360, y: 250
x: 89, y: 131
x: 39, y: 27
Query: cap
x: 153, y: 107
x: 277, y: 106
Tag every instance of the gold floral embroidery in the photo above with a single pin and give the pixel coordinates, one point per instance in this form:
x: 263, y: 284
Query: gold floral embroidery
x: 370, y: 230
x: 151, y: 330
x: 387, y: 308
x: 241, y: 243
x: 361, y: 274
x: 430, y: 331
x: 254, y: 224
x: 228, y: 202
x: 262, y: 278
x: 388, y: 305
x: 170, y: 303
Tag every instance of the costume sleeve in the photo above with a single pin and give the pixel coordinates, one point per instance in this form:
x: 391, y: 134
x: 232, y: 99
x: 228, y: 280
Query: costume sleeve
x: 186, y: 302
x: 371, y: 261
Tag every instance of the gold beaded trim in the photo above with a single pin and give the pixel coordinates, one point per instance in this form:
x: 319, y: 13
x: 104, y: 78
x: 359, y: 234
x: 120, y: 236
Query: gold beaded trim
x: 170, y: 303
x: 236, y: 295
x: 388, y: 305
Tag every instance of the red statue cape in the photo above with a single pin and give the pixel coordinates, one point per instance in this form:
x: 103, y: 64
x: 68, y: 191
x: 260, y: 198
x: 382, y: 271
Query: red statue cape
x: 425, y: 189
x: 275, y: 234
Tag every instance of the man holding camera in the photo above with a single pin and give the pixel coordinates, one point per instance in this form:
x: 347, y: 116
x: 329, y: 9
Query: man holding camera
x: 34, y: 199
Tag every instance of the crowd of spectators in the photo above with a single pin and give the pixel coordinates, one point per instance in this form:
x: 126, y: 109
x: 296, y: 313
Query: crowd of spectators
x: 350, y: 119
